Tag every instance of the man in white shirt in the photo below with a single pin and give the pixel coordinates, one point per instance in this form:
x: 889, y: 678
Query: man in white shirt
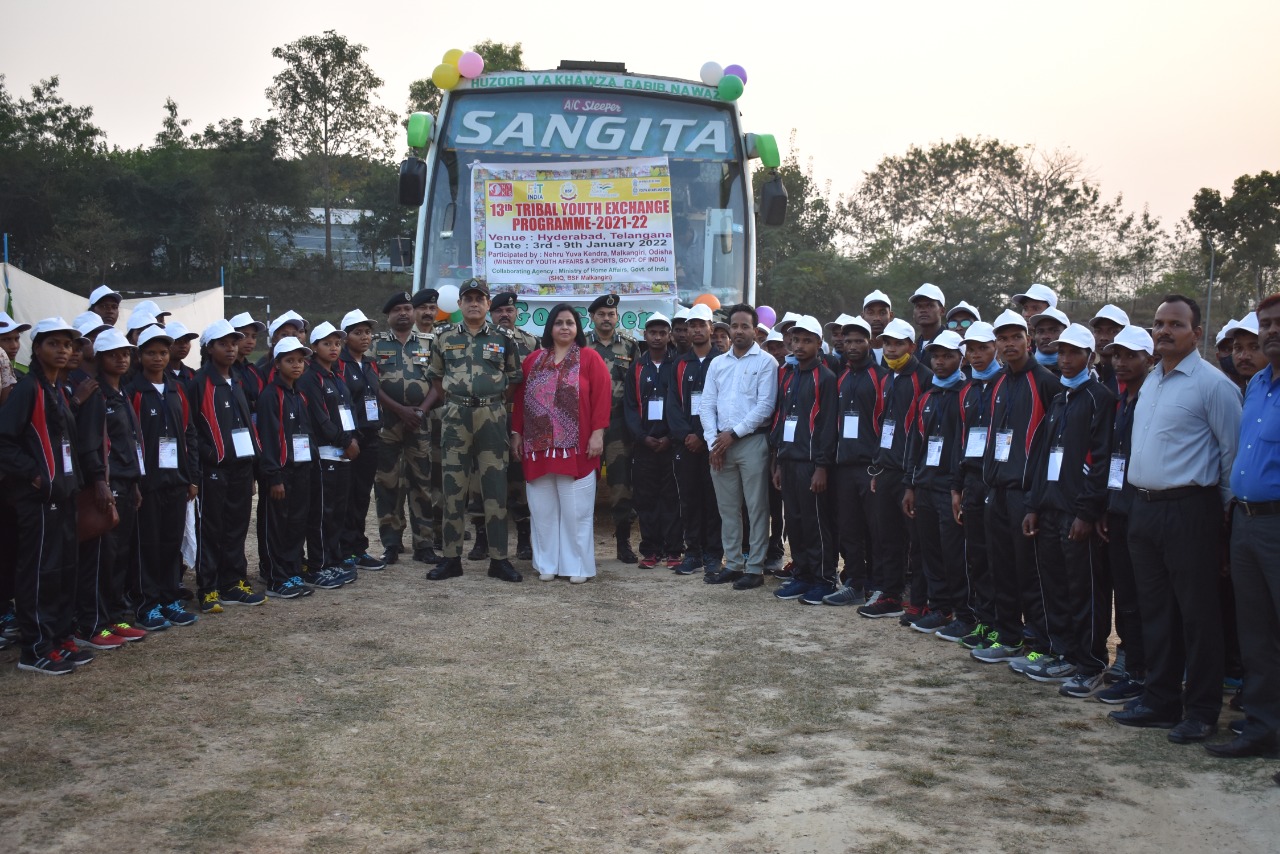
x: 737, y: 408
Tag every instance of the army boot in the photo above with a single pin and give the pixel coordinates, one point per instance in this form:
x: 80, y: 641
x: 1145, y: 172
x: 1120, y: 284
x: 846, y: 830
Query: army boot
x: 480, y: 551
x: 524, y: 548
x: 623, y: 534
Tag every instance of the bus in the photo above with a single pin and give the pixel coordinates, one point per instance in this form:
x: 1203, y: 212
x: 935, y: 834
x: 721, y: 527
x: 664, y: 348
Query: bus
x: 564, y: 185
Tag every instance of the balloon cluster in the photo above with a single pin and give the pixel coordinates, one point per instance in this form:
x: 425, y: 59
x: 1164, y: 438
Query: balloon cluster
x: 455, y: 66
x: 728, y: 81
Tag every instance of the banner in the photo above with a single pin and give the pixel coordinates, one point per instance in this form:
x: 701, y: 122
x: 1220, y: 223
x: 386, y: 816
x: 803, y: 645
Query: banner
x: 574, y: 229
x: 633, y: 312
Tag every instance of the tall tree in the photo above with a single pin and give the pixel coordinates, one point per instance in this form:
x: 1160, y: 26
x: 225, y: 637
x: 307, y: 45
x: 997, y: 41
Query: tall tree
x: 425, y: 96
x: 325, y: 103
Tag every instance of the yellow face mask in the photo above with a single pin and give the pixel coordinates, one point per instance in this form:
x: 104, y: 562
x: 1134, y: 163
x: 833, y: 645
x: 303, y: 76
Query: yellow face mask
x: 898, y: 363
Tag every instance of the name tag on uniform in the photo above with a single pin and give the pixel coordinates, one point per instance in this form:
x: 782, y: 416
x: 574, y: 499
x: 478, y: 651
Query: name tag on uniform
x: 344, y: 415
x: 1055, y: 463
x: 1004, y: 444
x: 142, y: 466
x: 242, y: 442
x: 695, y: 403
x: 655, y: 409
x: 977, y: 442
x: 301, y: 448
x: 886, y: 434
x: 167, y: 458
x: 371, y: 412
x: 67, y: 466
x: 934, y: 455
x: 850, y: 428
x: 1115, y: 476
x: 789, y: 429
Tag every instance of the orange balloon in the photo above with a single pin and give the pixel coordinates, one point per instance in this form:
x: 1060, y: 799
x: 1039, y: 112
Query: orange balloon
x: 709, y: 300
x: 441, y: 315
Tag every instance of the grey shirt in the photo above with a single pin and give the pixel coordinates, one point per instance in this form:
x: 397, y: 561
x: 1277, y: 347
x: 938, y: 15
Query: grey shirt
x: 1186, y: 426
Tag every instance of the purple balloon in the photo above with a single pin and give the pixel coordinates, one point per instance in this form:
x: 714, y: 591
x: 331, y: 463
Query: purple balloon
x: 738, y: 71
x: 767, y: 315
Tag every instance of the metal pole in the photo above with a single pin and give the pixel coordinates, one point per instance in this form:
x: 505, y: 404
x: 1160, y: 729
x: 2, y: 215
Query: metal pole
x: 1208, y: 303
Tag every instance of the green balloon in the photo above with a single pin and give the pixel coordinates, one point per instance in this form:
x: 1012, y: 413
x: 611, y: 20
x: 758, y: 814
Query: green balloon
x: 456, y: 317
x: 730, y: 88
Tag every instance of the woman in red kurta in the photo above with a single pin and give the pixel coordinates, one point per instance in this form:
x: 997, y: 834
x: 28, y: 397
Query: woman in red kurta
x: 557, y: 428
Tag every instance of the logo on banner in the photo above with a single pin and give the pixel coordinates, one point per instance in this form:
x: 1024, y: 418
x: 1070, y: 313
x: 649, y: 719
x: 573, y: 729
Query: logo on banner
x: 568, y: 192
x: 500, y: 190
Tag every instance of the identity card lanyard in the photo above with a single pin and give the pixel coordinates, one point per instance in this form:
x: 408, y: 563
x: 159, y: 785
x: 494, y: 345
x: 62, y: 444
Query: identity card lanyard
x: 1115, y: 474
x: 167, y: 456
x: 1004, y: 436
x: 241, y: 440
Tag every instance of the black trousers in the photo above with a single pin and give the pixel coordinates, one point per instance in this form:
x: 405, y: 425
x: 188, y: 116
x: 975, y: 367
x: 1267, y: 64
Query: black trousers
x: 809, y: 516
x: 330, y: 486
x: 103, y: 576
x: 1070, y: 578
x: 653, y: 481
x: 162, y: 520
x: 1127, y: 604
x: 698, y: 508
x: 353, y: 540
x: 1011, y: 557
x: 941, y: 551
x: 775, y: 523
x: 8, y: 555
x: 854, y: 521
x: 1175, y: 550
x: 285, y: 523
x: 222, y: 525
x: 44, y: 577
x: 977, y: 606
x: 1255, y: 542
x: 895, y: 553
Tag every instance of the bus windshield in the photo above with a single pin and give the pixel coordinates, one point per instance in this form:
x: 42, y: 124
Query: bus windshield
x: 699, y: 140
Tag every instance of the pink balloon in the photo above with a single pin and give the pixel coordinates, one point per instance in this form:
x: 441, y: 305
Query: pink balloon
x: 470, y: 64
x: 736, y: 70
x: 767, y: 315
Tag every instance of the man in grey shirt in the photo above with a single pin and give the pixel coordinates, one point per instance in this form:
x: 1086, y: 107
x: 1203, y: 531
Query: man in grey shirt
x: 737, y: 408
x: 1186, y: 425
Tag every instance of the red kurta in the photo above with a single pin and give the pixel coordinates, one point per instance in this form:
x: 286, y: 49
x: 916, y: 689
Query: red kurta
x: 595, y: 396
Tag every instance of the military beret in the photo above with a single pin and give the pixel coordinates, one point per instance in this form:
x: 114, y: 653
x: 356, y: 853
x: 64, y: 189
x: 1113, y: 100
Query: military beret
x: 606, y: 301
x: 425, y: 296
x: 502, y: 300
x: 394, y: 300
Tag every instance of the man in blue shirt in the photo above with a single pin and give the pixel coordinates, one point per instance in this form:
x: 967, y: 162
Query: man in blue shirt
x: 1255, y: 540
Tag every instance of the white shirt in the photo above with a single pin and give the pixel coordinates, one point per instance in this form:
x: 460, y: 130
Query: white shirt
x: 739, y: 393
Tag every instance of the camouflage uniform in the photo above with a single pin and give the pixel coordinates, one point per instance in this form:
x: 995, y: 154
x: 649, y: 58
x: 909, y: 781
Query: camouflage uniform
x: 619, y: 356
x: 474, y: 371
x: 433, y: 448
x: 517, y: 500
x: 404, y: 466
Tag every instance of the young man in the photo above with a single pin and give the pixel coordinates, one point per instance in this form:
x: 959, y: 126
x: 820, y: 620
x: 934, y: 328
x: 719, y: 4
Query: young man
x: 1106, y: 324
x: 360, y: 373
x: 927, y: 305
x: 1045, y: 328
x: 1036, y: 300
x: 105, y: 303
x: 877, y: 311
x: 680, y: 331
x: 652, y: 466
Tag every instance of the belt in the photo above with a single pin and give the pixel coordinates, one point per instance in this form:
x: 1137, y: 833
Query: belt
x: 1171, y: 494
x: 1259, y: 508
x: 475, y: 401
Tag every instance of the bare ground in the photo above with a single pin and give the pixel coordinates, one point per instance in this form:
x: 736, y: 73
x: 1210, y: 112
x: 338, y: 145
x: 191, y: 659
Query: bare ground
x: 639, y: 712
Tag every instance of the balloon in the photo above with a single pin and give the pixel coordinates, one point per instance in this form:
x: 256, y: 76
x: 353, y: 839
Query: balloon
x: 451, y: 57
x: 445, y: 76
x: 441, y: 316
x: 737, y: 71
x: 767, y: 315
x: 711, y: 73
x: 448, y: 301
x: 471, y: 64
x: 709, y: 300
x: 456, y: 317
x: 730, y: 88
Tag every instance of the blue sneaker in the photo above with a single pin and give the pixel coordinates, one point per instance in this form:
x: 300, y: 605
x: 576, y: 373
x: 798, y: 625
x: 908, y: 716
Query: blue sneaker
x: 153, y: 620
x: 325, y: 579
x: 344, y: 574
x: 794, y: 589
x: 290, y: 588
x: 365, y: 561
x: 712, y: 564
x: 177, y: 615
x: 815, y: 594
x: 9, y: 626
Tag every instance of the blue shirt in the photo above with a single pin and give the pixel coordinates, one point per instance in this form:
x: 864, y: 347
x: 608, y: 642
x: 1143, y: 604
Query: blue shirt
x: 1256, y: 473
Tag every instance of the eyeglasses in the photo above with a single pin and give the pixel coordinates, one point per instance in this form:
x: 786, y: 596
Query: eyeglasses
x: 959, y: 324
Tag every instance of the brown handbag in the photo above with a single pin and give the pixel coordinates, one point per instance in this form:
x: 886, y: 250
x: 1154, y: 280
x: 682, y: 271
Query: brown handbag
x: 91, y: 522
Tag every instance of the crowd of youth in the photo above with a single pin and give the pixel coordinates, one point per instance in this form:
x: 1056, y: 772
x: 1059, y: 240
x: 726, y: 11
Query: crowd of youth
x: 1004, y: 486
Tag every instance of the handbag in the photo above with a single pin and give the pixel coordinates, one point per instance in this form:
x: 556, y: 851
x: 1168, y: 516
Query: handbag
x: 91, y: 522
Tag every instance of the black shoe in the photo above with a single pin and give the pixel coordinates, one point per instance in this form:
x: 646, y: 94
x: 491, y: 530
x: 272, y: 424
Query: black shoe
x: 369, y: 562
x: 502, y: 569
x: 1191, y: 730
x: 426, y: 554
x: 1237, y: 726
x: 1141, y: 716
x: 448, y: 568
x: 724, y: 576
x: 625, y: 553
x: 480, y: 550
x: 748, y: 582
x: 391, y: 555
x: 1240, y: 748
x: 524, y: 548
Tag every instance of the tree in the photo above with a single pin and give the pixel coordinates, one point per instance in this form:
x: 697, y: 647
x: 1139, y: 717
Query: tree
x: 425, y: 96
x: 1241, y: 232
x: 324, y: 103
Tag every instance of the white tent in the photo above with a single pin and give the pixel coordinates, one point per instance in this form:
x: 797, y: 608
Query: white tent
x: 34, y: 299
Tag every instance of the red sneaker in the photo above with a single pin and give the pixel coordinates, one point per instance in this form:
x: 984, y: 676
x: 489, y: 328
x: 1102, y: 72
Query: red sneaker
x: 673, y: 561
x: 648, y: 561
x: 72, y: 653
x: 128, y: 632
x: 99, y: 639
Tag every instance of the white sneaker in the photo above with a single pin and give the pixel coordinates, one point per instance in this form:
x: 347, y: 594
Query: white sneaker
x: 578, y: 579
x: 547, y: 576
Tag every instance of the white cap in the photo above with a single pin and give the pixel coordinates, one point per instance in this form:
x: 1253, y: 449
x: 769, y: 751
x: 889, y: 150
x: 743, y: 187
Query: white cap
x: 842, y: 321
x: 981, y: 332
x: 220, y: 328
x: 178, y: 331
x: 53, y: 324
x: 948, y: 339
x: 289, y: 316
x: 860, y: 324
x: 1133, y: 338
x: 288, y: 344
x: 141, y: 319
x: 900, y: 329
x: 928, y: 291
x: 1248, y: 323
x: 1225, y: 331
x: 1051, y: 314
x: 1077, y: 335
x: 765, y: 329
x: 100, y: 293
x: 351, y: 318
x: 1113, y: 313
x: 877, y: 296
x: 243, y: 319
x: 964, y: 306
x: 8, y: 324
x: 1008, y: 317
x: 151, y: 308
x: 151, y: 333
x: 682, y: 313
x: 809, y: 323
x: 699, y: 312
x: 110, y: 340
x: 788, y: 320
x: 1040, y: 293
x: 324, y: 330
x: 775, y: 335
x: 657, y: 317
x: 89, y: 323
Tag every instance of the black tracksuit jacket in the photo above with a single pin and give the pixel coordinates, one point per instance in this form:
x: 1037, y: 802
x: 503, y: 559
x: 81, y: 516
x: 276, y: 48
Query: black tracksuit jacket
x: 1018, y: 403
x: 860, y: 389
x: 1081, y: 422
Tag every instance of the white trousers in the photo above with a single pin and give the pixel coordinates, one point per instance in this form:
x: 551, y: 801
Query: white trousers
x: 562, y: 520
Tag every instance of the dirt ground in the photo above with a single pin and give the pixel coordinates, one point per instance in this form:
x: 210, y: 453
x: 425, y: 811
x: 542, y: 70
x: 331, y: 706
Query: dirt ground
x: 642, y: 711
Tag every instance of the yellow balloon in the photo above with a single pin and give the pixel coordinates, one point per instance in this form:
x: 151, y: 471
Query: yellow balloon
x: 451, y: 57
x: 445, y: 76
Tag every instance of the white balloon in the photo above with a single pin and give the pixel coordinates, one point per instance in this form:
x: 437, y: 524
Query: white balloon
x: 448, y: 301
x: 711, y: 73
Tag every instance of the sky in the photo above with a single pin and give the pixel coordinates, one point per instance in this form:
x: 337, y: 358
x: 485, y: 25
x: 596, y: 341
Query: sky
x: 1158, y: 98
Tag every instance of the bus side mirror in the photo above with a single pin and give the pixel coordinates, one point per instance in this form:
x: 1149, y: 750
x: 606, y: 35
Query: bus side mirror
x: 773, y: 201
x: 413, y: 181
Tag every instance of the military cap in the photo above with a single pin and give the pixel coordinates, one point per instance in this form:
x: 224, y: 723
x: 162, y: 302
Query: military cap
x: 502, y: 300
x: 425, y: 296
x: 606, y: 301
x: 473, y: 285
x: 401, y: 298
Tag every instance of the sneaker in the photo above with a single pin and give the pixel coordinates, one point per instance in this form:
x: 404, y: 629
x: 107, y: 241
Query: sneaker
x: 1081, y: 687
x: 325, y: 579
x: 845, y: 596
x: 691, y: 564
x: 209, y: 603
x: 793, y: 589
x: 817, y: 594
x: 1121, y: 692
x: 154, y: 621
x: 50, y: 664
x: 712, y: 564
x: 176, y: 614
x: 346, y: 573
x: 931, y: 622
x: 9, y: 625
x: 788, y: 571
x: 290, y: 588
x: 956, y: 631
x: 99, y: 639
x: 240, y: 594
x: 772, y: 564
x: 879, y: 605
x: 673, y: 561
x: 72, y: 654
x: 1116, y: 671
x: 978, y: 638
x: 1050, y: 668
x: 649, y: 561
x: 369, y: 562
x: 996, y: 652
x: 910, y: 613
x: 128, y: 632
x: 1022, y: 662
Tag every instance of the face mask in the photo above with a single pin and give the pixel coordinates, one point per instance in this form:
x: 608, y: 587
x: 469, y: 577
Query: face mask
x: 991, y: 371
x: 954, y: 379
x: 1049, y: 360
x: 1076, y: 381
x: 898, y: 363
x: 1228, y: 364
x: 791, y: 360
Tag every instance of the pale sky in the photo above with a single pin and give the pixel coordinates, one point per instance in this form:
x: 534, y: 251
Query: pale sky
x: 1159, y: 98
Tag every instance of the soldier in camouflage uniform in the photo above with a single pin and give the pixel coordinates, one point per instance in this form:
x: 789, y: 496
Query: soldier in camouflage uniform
x: 619, y: 351
x: 474, y: 370
x: 503, y: 311
x: 404, y: 469
x: 426, y: 306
